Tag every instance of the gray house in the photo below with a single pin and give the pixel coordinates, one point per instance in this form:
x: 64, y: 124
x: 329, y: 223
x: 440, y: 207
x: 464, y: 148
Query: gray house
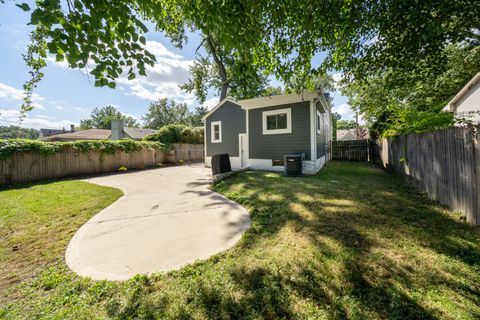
x: 258, y: 133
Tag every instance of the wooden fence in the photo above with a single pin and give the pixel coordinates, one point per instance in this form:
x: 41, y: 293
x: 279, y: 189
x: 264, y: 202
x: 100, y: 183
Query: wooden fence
x: 445, y: 164
x: 29, y: 167
x: 357, y: 150
x: 186, y: 152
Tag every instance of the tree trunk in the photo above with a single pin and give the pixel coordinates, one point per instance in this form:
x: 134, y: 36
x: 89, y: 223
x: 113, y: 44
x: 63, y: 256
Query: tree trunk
x: 221, y: 67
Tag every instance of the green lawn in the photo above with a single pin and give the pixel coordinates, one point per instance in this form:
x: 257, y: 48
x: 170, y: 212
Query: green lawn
x: 351, y: 242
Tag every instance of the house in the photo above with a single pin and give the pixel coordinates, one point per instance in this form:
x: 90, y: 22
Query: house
x: 467, y: 101
x: 351, y: 134
x: 258, y: 133
x: 51, y: 132
x: 117, y: 132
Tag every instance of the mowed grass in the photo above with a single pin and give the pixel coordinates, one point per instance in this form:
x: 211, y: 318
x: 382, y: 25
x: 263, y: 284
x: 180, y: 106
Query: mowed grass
x: 349, y: 243
x: 36, y: 223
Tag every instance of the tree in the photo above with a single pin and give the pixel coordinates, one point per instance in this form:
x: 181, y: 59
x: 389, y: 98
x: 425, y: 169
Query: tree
x: 164, y: 112
x: 227, y: 71
x: 14, y: 132
x: 101, y: 118
x: 413, y: 106
x: 346, y: 124
x: 285, y: 35
x: 335, y: 118
x: 272, y: 91
x: 196, y: 116
x: 360, y: 38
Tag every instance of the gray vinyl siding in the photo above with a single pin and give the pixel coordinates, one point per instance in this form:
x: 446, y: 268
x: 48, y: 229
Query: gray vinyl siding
x: 322, y: 137
x: 233, y: 123
x: 275, y: 146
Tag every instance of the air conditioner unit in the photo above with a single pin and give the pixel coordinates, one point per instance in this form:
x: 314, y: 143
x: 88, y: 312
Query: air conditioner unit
x: 293, y: 164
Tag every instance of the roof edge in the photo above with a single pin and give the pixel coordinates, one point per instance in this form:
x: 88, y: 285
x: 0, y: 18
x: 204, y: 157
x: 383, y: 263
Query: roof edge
x: 451, y: 107
x: 218, y: 106
x: 271, y: 101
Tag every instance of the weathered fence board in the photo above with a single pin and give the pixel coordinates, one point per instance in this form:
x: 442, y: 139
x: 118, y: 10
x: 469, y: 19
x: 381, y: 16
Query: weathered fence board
x: 445, y: 164
x: 192, y: 152
x: 357, y: 150
x: 29, y: 167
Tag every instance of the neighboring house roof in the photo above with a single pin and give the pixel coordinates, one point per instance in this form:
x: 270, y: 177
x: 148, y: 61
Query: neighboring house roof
x: 51, y: 132
x: 349, y: 134
x: 138, y: 133
x: 453, y: 104
x: 89, y: 134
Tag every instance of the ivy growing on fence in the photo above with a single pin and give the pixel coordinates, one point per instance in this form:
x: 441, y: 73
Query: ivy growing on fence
x: 12, y: 146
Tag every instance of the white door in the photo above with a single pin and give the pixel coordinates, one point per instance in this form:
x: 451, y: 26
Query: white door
x: 243, y: 149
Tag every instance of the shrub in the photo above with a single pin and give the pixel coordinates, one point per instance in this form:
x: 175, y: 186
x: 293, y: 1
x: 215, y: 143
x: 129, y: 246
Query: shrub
x: 12, y: 146
x: 177, y: 133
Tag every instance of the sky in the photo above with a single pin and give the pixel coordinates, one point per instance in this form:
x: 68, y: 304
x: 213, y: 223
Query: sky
x: 65, y: 96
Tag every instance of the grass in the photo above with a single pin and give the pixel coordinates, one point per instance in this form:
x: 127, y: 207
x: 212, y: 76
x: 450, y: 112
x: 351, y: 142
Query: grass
x: 38, y: 220
x: 349, y: 243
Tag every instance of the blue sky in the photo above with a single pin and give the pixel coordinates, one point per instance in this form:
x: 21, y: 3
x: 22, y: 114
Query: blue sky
x: 66, y: 96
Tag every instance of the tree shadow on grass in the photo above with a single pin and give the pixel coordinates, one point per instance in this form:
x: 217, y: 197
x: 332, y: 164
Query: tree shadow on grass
x: 362, y: 246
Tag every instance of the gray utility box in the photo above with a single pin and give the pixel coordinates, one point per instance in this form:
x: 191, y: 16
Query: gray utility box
x: 294, y: 164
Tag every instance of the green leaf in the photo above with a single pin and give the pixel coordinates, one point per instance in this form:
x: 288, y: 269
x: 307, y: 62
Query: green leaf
x: 112, y: 84
x: 23, y: 6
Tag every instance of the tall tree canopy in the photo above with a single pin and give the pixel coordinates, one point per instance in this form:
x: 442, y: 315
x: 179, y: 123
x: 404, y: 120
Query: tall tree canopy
x: 165, y: 111
x: 101, y: 118
x: 359, y: 37
x: 413, y: 106
x: 389, y: 43
x: 13, y: 132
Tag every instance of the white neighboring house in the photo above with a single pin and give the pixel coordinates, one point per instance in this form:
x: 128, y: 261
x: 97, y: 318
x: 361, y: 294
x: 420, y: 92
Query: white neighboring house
x: 467, y: 101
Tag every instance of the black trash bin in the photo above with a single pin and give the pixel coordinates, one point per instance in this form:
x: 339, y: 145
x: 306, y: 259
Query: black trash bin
x: 221, y: 163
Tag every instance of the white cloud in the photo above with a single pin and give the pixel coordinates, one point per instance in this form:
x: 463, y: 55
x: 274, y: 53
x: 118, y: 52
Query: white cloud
x: 13, y: 94
x: 337, y: 77
x: 10, y: 117
x: 163, y: 79
x: 78, y: 108
x: 210, y: 103
x: 345, y: 110
x: 131, y: 115
x: 159, y: 50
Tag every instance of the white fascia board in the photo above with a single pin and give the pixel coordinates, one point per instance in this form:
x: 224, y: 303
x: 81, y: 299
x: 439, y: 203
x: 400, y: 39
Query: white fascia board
x: 451, y: 107
x: 221, y: 103
x: 273, y: 101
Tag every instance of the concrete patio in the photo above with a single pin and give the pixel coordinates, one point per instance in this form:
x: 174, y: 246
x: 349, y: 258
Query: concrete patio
x: 167, y: 218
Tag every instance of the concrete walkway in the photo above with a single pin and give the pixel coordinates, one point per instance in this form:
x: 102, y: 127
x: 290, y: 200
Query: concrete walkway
x: 166, y: 219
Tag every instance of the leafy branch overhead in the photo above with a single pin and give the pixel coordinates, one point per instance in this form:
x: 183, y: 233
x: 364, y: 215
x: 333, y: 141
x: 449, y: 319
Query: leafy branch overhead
x: 106, y: 36
x: 35, y: 59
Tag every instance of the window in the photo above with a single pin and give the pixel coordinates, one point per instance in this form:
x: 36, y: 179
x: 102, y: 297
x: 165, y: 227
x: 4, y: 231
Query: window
x: 319, y: 122
x: 216, y: 131
x: 277, y: 121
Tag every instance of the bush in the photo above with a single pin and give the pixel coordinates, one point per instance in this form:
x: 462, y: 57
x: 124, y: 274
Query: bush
x: 11, y: 146
x: 177, y: 133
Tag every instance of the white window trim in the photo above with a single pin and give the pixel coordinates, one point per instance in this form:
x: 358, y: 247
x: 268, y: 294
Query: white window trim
x: 319, y: 116
x: 212, y: 135
x: 288, y: 111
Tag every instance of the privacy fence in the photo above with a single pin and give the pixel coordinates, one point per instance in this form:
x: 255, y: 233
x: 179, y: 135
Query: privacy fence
x: 445, y: 164
x: 30, y: 166
x: 355, y: 150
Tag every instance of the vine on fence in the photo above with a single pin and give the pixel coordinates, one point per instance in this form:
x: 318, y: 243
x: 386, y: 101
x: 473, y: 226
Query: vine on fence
x: 12, y: 146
